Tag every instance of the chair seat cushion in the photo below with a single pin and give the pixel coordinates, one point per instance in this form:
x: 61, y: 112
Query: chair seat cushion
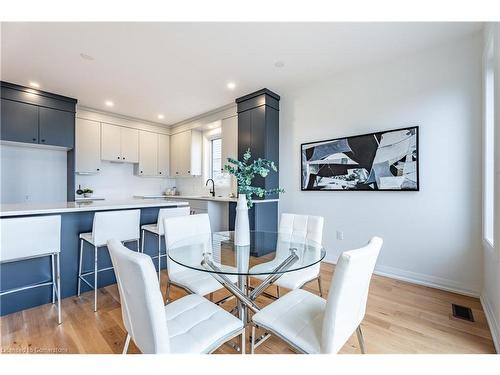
x: 153, y: 228
x: 290, y: 280
x: 199, y: 282
x: 87, y: 237
x: 196, y: 325
x: 297, y: 317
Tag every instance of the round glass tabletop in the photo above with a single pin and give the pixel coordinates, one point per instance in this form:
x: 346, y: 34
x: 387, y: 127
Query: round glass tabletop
x: 269, y: 253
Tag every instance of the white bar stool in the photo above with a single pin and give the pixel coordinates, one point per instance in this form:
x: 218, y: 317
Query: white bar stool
x: 158, y: 229
x: 33, y: 237
x: 119, y: 225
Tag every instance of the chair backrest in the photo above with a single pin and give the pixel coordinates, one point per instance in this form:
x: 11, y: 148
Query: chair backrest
x: 143, y: 311
x: 182, y: 228
x: 118, y: 225
x: 170, y: 212
x: 346, y: 304
x: 29, y: 237
x: 298, y: 227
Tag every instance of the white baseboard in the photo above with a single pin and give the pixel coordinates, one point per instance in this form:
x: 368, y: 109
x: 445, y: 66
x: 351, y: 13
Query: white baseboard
x: 423, y: 279
x: 492, y: 322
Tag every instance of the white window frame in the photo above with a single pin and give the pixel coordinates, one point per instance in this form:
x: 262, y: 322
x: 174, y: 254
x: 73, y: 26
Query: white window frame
x: 212, y: 154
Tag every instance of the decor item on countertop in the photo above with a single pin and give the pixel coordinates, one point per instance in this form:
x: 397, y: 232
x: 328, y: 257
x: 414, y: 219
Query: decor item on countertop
x: 385, y: 160
x: 87, y: 193
x: 245, y: 171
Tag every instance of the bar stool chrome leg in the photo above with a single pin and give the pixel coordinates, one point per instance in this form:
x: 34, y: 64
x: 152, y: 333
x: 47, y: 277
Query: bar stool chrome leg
x: 142, y: 247
x: 59, y: 288
x: 80, y: 267
x: 53, y: 267
x: 159, y: 259
x: 95, y: 278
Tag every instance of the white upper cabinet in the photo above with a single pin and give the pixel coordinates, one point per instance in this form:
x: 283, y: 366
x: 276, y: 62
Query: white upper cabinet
x: 87, y: 150
x: 185, y: 154
x: 163, y: 155
x: 148, y: 154
x: 119, y: 143
x: 129, y: 145
x: 229, y: 131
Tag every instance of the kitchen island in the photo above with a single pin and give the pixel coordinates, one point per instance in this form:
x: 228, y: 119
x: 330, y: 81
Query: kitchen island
x: 76, y: 218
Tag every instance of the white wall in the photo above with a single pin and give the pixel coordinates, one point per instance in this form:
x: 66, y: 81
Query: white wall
x: 117, y: 181
x: 30, y: 174
x: 432, y: 236
x: 490, y: 296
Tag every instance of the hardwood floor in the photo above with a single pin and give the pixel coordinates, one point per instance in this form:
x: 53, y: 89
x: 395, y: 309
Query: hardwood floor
x: 400, y: 318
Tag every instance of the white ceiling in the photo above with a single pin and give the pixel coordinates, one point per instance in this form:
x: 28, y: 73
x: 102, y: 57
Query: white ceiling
x: 181, y: 69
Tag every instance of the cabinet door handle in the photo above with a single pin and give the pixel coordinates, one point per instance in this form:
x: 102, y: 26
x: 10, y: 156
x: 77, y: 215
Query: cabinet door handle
x: 98, y: 169
x: 123, y: 158
x: 176, y: 172
x: 160, y: 172
x: 118, y: 157
x: 43, y: 140
x: 141, y: 171
x: 189, y: 171
x: 34, y: 139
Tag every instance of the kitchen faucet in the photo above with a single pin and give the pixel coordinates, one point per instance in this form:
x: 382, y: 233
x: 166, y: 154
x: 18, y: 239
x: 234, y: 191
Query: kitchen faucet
x: 212, y: 192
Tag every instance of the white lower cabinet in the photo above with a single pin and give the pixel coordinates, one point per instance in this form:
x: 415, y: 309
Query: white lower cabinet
x: 87, y: 150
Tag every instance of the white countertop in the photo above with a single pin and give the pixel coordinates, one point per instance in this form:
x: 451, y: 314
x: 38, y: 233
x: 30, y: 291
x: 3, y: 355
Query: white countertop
x: 24, y: 209
x: 215, y: 199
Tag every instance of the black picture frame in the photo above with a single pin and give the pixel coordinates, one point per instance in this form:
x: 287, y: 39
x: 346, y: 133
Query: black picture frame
x: 374, y: 134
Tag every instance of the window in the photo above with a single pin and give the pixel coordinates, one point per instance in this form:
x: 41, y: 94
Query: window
x: 216, y: 159
x: 489, y: 149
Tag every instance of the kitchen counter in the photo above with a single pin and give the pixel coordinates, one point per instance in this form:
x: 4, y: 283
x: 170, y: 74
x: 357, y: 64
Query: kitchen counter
x: 26, y: 209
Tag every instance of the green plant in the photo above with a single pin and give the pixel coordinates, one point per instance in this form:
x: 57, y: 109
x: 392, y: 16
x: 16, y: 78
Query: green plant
x: 246, y: 170
x: 87, y: 191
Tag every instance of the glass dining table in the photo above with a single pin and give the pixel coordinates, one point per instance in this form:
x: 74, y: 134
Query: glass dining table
x: 269, y: 254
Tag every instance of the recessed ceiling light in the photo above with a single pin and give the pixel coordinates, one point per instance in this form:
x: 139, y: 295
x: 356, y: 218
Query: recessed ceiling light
x: 231, y: 85
x: 86, y: 57
x: 109, y: 103
x: 34, y: 84
x: 279, y: 64
x: 161, y: 117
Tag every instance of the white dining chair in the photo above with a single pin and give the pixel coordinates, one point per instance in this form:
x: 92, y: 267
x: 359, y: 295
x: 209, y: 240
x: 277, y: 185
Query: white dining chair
x: 121, y: 225
x: 33, y: 237
x: 183, y: 228
x: 191, y: 324
x: 158, y: 230
x: 310, y: 324
x: 295, y: 227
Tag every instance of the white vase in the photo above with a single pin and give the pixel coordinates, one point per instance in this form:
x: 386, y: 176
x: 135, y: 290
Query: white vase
x: 242, y: 225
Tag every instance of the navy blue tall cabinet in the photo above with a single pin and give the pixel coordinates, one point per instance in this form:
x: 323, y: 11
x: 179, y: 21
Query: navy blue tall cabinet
x: 258, y: 130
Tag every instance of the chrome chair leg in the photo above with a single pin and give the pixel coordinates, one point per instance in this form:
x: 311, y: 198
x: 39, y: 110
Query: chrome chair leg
x: 53, y: 278
x: 277, y: 291
x: 319, y: 286
x: 80, y: 267
x: 361, y: 339
x: 58, y: 276
x: 159, y: 259
x: 142, y: 244
x: 127, y: 343
x: 243, y: 342
x: 95, y: 278
x: 167, y: 294
x: 137, y: 245
x: 252, y: 345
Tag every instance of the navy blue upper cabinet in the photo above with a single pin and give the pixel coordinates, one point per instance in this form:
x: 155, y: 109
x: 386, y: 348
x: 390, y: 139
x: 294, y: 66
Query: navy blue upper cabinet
x: 19, y: 122
x: 34, y: 116
x: 57, y: 128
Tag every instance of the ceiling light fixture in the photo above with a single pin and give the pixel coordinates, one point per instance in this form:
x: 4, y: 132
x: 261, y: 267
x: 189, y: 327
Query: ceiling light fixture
x: 109, y: 103
x: 34, y: 84
x: 231, y: 85
x: 161, y: 117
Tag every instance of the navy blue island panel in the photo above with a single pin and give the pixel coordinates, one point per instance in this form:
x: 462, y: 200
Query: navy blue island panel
x: 18, y: 274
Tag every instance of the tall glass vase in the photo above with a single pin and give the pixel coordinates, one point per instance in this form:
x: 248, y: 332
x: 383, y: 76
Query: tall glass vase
x: 242, y: 225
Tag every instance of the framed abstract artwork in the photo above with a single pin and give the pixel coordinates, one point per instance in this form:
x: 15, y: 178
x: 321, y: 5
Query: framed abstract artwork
x: 386, y: 160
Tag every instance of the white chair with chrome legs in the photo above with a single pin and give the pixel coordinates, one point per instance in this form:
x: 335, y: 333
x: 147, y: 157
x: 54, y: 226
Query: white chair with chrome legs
x: 310, y: 324
x: 191, y: 324
x: 121, y: 225
x: 33, y: 237
x: 179, y: 229
x: 158, y: 230
x: 298, y: 227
